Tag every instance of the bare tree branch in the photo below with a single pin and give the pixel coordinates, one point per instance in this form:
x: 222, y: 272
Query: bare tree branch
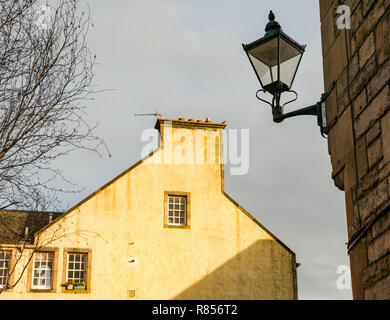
x: 46, y: 72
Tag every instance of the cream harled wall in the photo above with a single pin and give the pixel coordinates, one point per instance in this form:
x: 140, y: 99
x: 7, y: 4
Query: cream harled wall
x: 224, y: 254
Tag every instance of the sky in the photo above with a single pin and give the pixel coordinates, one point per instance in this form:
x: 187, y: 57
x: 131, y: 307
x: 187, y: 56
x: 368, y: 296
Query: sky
x: 184, y: 58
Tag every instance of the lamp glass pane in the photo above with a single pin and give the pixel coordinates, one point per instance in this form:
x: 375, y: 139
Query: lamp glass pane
x: 264, y: 58
x: 263, y: 72
x: 289, y: 61
x: 287, y: 50
x: 266, y: 52
x: 287, y: 70
x: 274, y: 73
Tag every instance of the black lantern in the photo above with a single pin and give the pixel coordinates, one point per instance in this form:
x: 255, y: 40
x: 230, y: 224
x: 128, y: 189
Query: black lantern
x: 275, y: 58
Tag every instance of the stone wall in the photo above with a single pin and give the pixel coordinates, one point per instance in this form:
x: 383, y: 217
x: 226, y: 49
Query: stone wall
x: 357, y: 71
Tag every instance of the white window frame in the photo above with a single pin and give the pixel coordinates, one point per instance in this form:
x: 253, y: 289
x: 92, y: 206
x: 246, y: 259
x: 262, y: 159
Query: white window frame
x: 4, y: 261
x: 43, y: 268
x: 177, y: 211
x: 77, y: 270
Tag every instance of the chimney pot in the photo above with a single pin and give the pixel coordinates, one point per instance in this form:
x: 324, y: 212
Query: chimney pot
x: 25, y: 233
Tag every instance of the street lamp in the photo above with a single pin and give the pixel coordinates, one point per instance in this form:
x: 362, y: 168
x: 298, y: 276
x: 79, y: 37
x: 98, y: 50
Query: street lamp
x: 275, y: 58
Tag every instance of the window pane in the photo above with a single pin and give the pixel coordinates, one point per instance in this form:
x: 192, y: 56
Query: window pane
x: 176, y: 210
x: 5, y: 258
x: 42, y: 273
x: 76, y: 269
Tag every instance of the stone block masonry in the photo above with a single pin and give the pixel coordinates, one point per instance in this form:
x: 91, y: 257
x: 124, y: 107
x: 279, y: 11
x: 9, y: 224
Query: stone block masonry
x: 357, y: 66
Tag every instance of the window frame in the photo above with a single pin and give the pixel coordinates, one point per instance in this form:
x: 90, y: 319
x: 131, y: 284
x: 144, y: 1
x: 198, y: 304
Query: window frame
x: 74, y: 269
x: 10, y: 263
x: 88, y: 262
x: 38, y: 286
x: 54, y: 271
x: 187, y: 217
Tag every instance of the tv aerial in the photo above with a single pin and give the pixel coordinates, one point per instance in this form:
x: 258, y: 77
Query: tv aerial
x: 156, y: 114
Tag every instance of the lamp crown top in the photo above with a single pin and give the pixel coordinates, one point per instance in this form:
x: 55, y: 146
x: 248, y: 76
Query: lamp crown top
x: 272, y: 26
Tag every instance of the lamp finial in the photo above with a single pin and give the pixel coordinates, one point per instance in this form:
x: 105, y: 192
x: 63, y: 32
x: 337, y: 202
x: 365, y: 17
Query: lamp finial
x: 271, y: 16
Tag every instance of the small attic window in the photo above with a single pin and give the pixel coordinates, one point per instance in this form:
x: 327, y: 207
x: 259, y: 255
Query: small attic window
x: 176, y: 210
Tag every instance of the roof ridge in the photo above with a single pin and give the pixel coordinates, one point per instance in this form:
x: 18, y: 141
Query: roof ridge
x: 31, y: 211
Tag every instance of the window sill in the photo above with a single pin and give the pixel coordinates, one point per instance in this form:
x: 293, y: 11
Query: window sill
x: 168, y: 226
x: 43, y: 290
x: 64, y: 290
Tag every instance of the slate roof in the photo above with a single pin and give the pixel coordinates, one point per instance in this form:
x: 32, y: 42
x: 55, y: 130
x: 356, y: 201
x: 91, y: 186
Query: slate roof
x: 13, y: 224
